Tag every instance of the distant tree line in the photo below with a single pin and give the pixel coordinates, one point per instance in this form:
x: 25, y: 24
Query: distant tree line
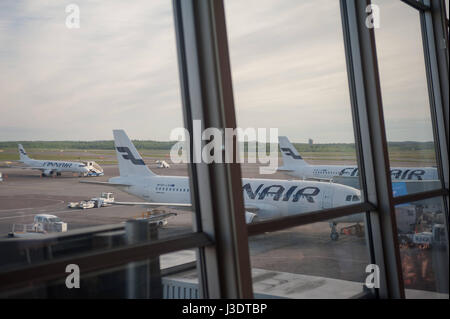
x: 86, y: 145
x: 155, y: 145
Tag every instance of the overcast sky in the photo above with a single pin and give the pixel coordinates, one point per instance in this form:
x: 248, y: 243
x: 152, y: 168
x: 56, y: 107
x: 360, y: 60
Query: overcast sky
x: 119, y: 70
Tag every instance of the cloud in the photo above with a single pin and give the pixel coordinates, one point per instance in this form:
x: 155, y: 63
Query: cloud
x: 118, y: 70
x: 289, y: 68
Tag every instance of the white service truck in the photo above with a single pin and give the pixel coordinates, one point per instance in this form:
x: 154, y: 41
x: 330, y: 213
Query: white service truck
x: 84, y: 204
x: 105, y: 199
x: 162, y: 164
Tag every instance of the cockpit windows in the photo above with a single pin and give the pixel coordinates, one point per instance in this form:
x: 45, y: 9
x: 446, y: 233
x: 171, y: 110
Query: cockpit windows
x: 353, y: 198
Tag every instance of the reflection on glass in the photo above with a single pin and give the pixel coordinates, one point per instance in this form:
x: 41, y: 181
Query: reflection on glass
x: 405, y: 99
x: 169, y: 276
x: 423, y: 248
x: 304, y: 262
x: 446, y: 10
x: 66, y: 84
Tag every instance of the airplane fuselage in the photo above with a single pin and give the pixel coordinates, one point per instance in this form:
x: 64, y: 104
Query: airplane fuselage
x: 271, y: 198
x: 330, y: 171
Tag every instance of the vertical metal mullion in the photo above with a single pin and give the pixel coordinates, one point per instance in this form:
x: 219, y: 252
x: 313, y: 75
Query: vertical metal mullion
x: 435, y: 46
x: 181, y: 34
x: 435, y: 42
x: 373, y: 159
x: 371, y: 223
x: 207, y: 96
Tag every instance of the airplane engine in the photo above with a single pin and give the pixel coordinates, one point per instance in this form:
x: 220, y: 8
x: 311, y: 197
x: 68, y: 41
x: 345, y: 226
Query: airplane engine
x: 250, y: 217
x: 47, y: 172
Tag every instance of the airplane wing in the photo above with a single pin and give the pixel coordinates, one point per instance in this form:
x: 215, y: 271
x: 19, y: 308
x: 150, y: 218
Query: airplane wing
x: 284, y: 169
x: 54, y: 169
x: 104, y: 183
x: 152, y: 204
x: 156, y: 217
x: 318, y: 179
x: 145, y: 204
x: 24, y: 167
x: 250, y: 211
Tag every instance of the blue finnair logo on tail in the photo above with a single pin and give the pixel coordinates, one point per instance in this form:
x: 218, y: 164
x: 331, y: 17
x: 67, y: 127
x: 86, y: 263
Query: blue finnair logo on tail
x: 130, y: 156
x: 289, y: 152
x: 22, y: 152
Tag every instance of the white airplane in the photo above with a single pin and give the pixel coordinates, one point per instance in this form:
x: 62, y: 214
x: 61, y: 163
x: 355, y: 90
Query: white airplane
x: 264, y: 198
x: 294, y: 165
x: 48, y: 167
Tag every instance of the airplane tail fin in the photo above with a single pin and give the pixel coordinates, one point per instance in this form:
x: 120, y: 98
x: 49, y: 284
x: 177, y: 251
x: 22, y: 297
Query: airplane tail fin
x: 22, y: 154
x: 130, y: 161
x: 291, y: 157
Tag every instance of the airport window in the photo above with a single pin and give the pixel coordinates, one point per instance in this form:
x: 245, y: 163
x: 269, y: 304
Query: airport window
x: 275, y: 60
x: 422, y: 233
x: 89, y: 95
x: 406, y: 104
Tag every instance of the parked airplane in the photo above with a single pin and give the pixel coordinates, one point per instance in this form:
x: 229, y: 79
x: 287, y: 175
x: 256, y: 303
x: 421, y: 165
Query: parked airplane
x: 264, y: 198
x: 294, y: 165
x: 48, y: 168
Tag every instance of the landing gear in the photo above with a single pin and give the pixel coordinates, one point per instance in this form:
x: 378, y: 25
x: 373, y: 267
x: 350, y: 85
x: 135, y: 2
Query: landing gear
x: 58, y: 173
x: 47, y: 173
x: 334, y: 234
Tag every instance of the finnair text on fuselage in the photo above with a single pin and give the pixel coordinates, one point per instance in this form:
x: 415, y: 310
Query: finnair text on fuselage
x: 398, y: 173
x: 57, y: 164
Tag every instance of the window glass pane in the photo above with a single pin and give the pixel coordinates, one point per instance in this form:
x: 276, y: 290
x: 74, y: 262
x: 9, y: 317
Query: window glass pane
x: 289, y: 74
x: 423, y: 248
x: 303, y: 262
x: 446, y: 9
x: 70, y: 75
x: 405, y: 99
